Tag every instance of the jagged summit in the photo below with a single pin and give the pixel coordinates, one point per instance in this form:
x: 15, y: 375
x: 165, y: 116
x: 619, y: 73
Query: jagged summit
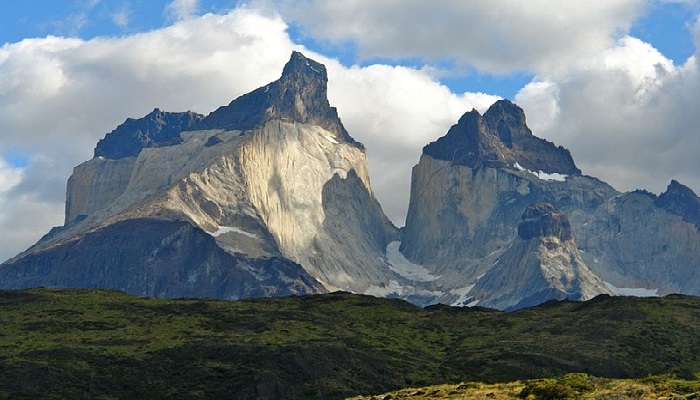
x: 680, y: 200
x: 156, y: 129
x: 300, y: 95
x: 500, y: 139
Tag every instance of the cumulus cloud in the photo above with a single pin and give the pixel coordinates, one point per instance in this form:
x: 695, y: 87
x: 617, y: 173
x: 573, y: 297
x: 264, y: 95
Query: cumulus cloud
x: 627, y: 116
x: 59, y: 96
x: 502, y: 36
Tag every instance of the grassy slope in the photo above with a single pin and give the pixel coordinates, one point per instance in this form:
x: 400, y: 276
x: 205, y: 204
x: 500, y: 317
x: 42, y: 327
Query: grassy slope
x: 570, y: 386
x: 106, y: 344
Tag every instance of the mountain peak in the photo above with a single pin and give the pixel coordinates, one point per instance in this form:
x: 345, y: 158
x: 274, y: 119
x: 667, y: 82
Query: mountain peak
x: 300, y: 95
x: 500, y: 138
x: 301, y: 66
x: 680, y: 200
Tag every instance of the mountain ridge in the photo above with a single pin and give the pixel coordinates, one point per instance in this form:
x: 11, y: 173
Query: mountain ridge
x: 274, y: 175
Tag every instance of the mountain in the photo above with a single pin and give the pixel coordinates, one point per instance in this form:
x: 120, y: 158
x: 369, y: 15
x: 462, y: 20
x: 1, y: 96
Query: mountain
x: 542, y: 263
x: 270, y: 195
x: 266, y: 196
x: 106, y: 344
x: 471, y: 186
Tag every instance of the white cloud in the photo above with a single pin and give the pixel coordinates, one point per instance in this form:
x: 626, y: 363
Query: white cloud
x: 121, y: 17
x: 178, y: 10
x: 628, y: 115
x: 395, y: 111
x: 502, y: 36
x: 23, y: 216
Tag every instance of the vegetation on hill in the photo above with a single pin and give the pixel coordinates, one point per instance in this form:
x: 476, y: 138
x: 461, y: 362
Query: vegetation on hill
x: 570, y: 386
x: 75, y: 343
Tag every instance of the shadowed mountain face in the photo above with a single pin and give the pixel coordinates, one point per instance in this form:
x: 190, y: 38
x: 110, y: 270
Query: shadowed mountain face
x: 158, y: 259
x: 500, y: 138
x: 156, y: 129
x: 680, y: 200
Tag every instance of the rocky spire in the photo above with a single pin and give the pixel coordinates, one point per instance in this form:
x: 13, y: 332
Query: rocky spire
x: 680, y: 200
x: 300, y: 95
x: 500, y: 138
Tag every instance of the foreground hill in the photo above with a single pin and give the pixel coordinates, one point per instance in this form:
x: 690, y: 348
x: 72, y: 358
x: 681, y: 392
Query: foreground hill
x: 570, y: 386
x: 106, y: 344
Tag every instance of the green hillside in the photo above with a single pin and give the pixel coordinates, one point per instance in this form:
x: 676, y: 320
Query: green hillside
x: 106, y: 344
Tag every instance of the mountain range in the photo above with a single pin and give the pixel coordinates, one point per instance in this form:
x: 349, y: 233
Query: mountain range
x: 270, y: 196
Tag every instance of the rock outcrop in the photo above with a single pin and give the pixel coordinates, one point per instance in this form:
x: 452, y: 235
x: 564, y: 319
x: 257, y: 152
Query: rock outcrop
x: 680, y: 200
x: 500, y: 138
x: 273, y: 178
x: 542, y: 263
x: 156, y: 129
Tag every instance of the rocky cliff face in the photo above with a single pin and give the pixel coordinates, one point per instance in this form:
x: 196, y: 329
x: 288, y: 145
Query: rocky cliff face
x: 273, y: 178
x: 500, y: 138
x: 680, y: 200
x: 471, y: 187
x: 540, y: 264
x: 161, y: 259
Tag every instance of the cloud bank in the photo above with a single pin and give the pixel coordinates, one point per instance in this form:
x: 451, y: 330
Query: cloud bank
x: 627, y: 113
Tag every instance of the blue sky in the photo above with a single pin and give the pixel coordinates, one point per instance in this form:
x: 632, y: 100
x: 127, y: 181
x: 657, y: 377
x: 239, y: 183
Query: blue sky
x: 665, y: 25
x: 614, y: 81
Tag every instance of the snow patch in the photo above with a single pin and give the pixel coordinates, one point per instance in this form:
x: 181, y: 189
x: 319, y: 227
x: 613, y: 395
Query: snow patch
x: 634, y: 292
x: 331, y: 139
x: 227, y: 229
x: 383, y: 291
x: 543, y: 175
x: 463, y: 294
x: 399, y: 264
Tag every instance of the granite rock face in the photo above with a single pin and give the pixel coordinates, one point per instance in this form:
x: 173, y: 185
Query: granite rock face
x: 542, y: 220
x: 541, y: 264
x: 471, y: 187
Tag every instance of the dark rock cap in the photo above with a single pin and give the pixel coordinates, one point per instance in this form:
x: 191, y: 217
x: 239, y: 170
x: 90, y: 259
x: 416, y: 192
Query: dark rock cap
x: 499, y: 139
x: 680, y: 200
x: 156, y: 129
x: 541, y: 220
x: 300, y: 95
